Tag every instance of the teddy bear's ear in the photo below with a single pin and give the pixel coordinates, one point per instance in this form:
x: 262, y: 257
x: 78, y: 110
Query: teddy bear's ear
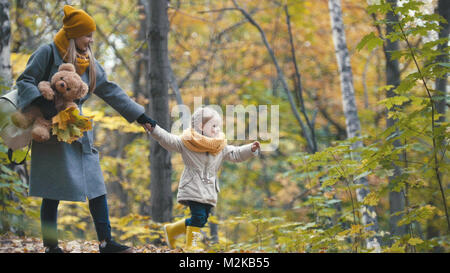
x: 67, y: 67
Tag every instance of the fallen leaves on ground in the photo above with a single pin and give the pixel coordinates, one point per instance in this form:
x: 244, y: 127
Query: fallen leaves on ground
x: 10, y: 243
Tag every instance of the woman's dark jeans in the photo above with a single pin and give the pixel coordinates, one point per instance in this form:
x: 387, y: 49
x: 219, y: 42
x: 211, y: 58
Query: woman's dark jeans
x: 49, y: 214
x: 199, y: 214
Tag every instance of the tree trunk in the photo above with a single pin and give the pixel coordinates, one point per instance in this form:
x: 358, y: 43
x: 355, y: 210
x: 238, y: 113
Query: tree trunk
x: 353, y: 125
x: 441, y: 83
x: 141, y: 83
x: 5, y: 53
x: 160, y: 165
x: 396, y: 199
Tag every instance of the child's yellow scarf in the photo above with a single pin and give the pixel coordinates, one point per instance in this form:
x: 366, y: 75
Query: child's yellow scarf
x: 62, y: 43
x: 200, y: 143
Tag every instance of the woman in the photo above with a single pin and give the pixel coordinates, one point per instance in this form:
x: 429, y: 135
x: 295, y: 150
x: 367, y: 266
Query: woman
x: 62, y: 171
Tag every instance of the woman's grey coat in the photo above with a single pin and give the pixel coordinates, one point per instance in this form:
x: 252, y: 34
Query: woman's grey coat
x: 199, y: 181
x: 59, y: 170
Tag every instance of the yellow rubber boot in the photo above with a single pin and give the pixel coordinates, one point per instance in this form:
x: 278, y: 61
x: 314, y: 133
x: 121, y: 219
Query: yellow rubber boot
x: 193, y: 238
x: 172, y: 231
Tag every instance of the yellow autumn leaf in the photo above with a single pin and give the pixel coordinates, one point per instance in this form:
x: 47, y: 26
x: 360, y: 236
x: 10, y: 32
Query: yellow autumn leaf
x: 213, y: 219
x: 415, y: 241
x: 355, y: 229
x: 371, y: 199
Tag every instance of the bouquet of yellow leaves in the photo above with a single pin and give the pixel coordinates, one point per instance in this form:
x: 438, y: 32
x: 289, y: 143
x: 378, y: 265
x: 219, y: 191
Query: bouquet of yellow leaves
x: 68, y: 125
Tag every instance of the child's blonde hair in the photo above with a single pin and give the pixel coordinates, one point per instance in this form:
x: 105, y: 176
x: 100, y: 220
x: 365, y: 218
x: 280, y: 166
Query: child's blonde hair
x: 202, y: 116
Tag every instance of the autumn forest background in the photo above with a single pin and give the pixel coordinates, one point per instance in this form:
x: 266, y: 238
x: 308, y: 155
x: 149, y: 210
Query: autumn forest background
x: 361, y: 164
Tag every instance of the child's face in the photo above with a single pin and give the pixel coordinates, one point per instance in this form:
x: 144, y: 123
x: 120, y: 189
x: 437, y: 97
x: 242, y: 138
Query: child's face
x: 213, y: 127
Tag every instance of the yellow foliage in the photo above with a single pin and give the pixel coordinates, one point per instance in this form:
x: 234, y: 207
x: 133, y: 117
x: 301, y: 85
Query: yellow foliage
x: 114, y: 122
x: 68, y: 125
x: 18, y: 63
x: 371, y: 199
x: 415, y: 241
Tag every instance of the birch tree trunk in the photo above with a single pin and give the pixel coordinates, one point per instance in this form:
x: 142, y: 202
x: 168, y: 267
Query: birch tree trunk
x: 5, y: 53
x: 353, y: 126
x: 396, y: 199
x: 160, y: 165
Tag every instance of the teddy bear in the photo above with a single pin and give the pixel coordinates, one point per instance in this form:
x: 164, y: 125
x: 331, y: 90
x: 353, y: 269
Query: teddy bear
x: 64, y: 88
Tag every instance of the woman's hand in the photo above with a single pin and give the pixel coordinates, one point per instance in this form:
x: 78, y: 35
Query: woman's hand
x: 146, y: 122
x: 255, y: 146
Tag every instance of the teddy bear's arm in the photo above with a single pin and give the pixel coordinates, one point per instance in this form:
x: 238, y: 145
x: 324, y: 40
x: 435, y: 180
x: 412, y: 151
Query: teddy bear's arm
x: 46, y: 90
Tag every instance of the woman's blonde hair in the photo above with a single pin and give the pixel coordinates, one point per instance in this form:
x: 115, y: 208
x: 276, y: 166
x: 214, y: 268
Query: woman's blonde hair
x: 202, y: 116
x: 71, y: 56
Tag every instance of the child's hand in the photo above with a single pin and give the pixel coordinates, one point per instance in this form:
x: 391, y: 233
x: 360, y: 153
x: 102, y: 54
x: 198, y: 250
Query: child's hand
x: 148, y: 127
x: 255, y: 146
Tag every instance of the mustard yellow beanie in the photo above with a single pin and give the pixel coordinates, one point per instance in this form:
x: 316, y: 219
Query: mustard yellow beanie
x: 77, y: 22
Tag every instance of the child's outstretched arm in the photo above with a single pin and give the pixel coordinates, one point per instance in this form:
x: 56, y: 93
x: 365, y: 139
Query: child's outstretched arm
x: 169, y: 141
x: 241, y: 153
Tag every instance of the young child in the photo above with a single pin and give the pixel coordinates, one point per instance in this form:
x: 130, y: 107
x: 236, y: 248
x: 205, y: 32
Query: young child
x: 203, y: 148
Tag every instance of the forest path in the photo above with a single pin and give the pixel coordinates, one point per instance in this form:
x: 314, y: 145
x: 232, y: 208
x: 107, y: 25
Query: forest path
x: 10, y: 243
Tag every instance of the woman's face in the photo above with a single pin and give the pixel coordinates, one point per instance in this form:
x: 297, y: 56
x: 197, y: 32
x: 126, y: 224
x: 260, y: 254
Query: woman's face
x: 82, y: 43
x: 213, y: 127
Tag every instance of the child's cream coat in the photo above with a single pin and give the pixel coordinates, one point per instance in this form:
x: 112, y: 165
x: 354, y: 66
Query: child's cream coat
x: 199, y: 180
